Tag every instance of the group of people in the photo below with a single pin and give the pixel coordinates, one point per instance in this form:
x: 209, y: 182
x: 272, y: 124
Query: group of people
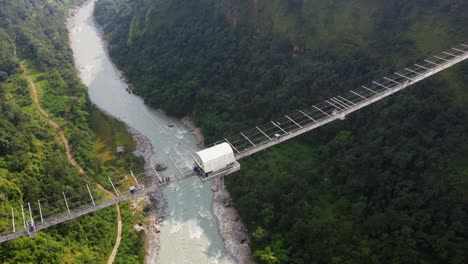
x: 165, y: 180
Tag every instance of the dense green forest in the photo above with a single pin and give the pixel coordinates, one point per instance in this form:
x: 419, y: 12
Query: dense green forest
x: 33, y: 162
x: 387, y: 185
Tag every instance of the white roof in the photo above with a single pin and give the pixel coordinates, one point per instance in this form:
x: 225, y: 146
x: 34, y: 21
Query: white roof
x: 215, y: 158
x: 214, y: 152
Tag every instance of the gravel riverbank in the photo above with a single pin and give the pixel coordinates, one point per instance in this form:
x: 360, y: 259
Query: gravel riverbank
x: 190, y: 125
x: 154, y: 201
x: 232, y: 229
x: 226, y: 219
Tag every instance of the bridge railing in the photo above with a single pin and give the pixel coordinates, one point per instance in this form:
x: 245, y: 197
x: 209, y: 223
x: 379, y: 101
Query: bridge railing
x: 248, y: 142
x: 78, y: 203
x: 256, y: 139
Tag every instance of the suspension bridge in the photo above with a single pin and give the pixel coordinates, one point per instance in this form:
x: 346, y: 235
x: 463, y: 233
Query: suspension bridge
x: 245, y: 143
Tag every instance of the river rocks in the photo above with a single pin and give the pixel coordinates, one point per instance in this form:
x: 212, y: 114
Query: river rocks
x: 190, y: 125
x: 160, y: 166
x: 243, y: 238
x: 232, y: 229
x: 227, y: 202
x: 139, y: 227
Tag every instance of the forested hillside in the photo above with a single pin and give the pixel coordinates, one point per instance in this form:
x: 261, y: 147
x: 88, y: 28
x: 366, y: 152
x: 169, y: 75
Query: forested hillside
x: 33, y: 162
x: 389, y: 184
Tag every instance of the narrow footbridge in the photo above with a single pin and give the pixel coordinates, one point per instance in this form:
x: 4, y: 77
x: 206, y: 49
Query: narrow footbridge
x: 249, y: 142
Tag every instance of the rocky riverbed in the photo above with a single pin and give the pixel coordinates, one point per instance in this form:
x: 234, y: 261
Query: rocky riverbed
x: 190, y: 232
x: 232, y: 229
x: 154, y: 201
x: 190, y: 125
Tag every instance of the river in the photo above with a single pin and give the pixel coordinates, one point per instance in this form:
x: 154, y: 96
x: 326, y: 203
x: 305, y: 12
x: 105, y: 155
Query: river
x: 189, y: 232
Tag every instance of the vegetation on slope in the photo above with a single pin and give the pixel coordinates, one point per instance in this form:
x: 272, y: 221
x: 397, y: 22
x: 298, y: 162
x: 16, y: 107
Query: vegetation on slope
x: 33, y: 163
x: 389, y: 184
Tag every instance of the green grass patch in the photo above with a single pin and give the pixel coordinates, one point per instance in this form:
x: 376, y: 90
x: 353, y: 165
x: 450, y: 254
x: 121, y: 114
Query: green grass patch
x: 132, y: 248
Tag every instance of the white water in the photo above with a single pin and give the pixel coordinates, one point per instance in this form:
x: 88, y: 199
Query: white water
x: 189, y: 234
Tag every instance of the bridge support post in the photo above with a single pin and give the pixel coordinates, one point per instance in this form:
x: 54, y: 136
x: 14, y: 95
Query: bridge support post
x: 31, y: 227
x: 24, y: 218
x: 66, y: 203
x: 234, y: 148
x: 30, y: 215
x: 115, y: 190
x: 40, y: 211
x: 90, y: 195
x: 134, y: 178
x: 13, y: 219
x: 157, y: 174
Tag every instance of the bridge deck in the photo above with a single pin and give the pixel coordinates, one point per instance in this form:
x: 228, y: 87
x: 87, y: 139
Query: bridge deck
x: 278, y: 131
x: 83, y: 210
x: 261, y: 137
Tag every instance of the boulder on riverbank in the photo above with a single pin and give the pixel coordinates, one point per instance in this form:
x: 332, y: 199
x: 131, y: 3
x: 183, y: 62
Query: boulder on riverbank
x: 190, y: 125
x: 160, y: 166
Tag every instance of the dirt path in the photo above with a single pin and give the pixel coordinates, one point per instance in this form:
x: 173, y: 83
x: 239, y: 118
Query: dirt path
x: 118, y: 238
x: 63, y: 140
x: 119, y: 227
x: 60, y: 134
